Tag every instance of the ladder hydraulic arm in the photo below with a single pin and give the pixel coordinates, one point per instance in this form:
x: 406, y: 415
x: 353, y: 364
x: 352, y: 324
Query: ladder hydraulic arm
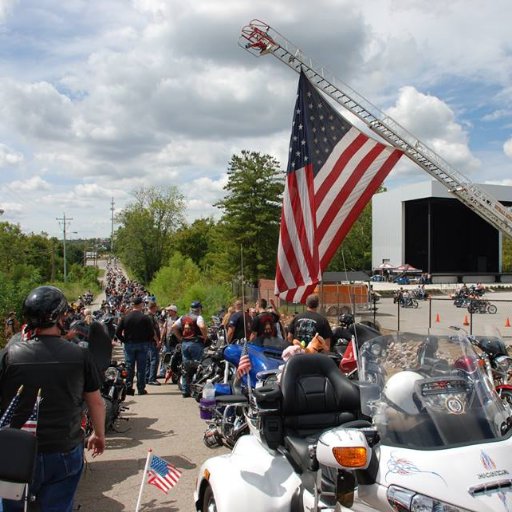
x: 259, y: 39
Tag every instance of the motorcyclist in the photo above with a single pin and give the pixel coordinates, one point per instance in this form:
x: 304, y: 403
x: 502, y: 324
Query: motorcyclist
x: 191, y: 330
x: 66, y: 375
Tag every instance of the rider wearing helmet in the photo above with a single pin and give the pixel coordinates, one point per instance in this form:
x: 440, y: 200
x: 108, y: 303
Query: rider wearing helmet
x: 65, y: 375
x: 191, y: 330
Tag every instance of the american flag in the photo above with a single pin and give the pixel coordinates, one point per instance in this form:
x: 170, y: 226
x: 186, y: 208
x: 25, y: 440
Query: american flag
x: 333, y: 171
x: 5, y: 420
x: 31, y: 424
x: 244, y: 364
x: 162, y: 474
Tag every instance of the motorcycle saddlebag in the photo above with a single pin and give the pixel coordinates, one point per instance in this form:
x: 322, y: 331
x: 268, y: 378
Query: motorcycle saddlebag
x: 268, y: 399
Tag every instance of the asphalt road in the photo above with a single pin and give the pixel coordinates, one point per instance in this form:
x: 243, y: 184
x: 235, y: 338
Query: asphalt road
x: 164, y: 422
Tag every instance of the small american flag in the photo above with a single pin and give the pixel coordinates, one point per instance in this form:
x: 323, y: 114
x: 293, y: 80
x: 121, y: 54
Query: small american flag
x: 244, y: 365
x: 31, y: 424
x: 162, y: 474
x: 5, y: 420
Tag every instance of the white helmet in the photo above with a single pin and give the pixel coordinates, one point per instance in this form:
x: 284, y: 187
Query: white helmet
x: 399, y: 390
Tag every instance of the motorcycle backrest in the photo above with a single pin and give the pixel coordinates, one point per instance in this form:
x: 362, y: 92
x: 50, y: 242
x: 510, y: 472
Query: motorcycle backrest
x: 316, y: 395
x: 17, y: 462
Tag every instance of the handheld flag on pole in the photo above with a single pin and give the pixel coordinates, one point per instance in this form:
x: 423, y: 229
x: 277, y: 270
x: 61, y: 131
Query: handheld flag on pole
x: 31, y: 424
x: 333, y: 171
x: 160, y: 473
x: 244, y: 364
x: 5, y: 420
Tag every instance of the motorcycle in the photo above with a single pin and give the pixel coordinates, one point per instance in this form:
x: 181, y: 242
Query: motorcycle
x: 113, y: 391
x: 433, y: 436
x: 173, y: 365
x: 345, y: 335
x: 481, y: 306
x: 226, y: 416
x: 497, y: 363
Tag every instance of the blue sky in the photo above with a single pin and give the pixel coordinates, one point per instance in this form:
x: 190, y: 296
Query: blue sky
x: 99, y: 98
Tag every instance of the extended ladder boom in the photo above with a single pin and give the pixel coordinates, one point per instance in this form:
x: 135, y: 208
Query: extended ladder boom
x: 259, y: 39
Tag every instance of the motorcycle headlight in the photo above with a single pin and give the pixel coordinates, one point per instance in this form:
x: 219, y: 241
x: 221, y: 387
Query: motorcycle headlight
x: 404, y: 500
x: 111, y: 373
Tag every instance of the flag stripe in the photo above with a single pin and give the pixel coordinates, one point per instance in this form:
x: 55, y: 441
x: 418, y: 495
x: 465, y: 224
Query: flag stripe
x: 351, y: 216
x: 333, y: 171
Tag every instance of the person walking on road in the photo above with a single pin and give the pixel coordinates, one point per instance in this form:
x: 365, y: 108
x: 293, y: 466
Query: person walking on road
x: 154, y: 347
x: 191, y: 330
x: 135, y: 330
x: 66, y: 376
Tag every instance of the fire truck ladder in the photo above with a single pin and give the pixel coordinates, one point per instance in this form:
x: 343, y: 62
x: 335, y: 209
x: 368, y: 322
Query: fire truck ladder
x: 258, y: 38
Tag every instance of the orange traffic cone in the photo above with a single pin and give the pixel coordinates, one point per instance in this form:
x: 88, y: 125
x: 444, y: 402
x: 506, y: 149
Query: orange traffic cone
x: 438, y: 319
x: 466, y: 322
x: 507, y: 323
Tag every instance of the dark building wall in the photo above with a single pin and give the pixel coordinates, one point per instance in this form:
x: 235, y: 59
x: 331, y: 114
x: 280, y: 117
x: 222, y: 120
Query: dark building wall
x: 460, y: 240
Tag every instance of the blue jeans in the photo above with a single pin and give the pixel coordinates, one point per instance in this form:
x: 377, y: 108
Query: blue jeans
x: 191, y: 351
x: 56, y: 478
x: 152, y: 363
x: 136, y: 353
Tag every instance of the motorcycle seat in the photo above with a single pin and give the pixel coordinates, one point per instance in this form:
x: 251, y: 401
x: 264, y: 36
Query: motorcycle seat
x: 231, y: 400
x: 298, y: 450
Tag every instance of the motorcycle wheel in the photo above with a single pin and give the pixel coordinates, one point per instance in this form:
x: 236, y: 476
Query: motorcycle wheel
x: 491, y: 309
x: 209, y: 504
x: 414, y: 303
x: 109, y: 415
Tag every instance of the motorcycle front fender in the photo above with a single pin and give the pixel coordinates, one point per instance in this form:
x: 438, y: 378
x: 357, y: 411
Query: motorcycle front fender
x: 251, y: 477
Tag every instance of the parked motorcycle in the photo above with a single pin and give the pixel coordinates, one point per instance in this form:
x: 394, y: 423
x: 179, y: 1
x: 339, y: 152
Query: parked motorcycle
x: 226, y: 417
x: 438, y: 438
x: 494, y: 358
x: 113, y: 391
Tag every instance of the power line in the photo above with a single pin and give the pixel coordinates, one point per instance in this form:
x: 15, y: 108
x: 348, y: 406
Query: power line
x: 64, y: 221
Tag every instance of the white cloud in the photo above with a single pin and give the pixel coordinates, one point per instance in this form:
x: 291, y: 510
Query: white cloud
x: 433, y: 122
x: 100, y: 98
x: 5, y: 8
x: 507, y: 148
x: 9, y: 157
x: 33, y: 184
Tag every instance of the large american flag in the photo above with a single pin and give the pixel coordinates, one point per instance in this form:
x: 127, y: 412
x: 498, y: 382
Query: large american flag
x: 162, y: 474
x: 333, y: 171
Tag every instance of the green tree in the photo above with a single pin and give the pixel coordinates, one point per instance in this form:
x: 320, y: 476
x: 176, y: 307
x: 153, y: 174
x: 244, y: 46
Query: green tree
x: 143, y: 239
x: 194, y: 240
x: 251, y: 213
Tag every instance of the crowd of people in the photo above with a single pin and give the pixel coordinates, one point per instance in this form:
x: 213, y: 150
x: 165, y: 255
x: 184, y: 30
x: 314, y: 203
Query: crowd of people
x: 45, y: 356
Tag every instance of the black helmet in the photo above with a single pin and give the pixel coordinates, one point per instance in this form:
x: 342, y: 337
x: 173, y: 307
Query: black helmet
x: 81, y: 328
x: 346, y: 319
x: 196, y: 305
x: 43, y: 306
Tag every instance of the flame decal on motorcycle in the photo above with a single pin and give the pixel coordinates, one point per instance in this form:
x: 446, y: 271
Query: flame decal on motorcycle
x: 487, y: 462
x: 401, y: 466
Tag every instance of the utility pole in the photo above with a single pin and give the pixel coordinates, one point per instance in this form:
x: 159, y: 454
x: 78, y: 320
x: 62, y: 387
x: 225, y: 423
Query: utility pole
x: 112, y: 230
x: 64, y: 221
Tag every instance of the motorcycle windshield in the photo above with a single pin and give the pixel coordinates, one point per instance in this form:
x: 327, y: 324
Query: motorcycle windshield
x: 429, y: 391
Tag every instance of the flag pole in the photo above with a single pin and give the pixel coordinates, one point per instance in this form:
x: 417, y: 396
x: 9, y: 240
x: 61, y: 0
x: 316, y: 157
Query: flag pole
x: 148, y: 459
x: 249, y: 390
